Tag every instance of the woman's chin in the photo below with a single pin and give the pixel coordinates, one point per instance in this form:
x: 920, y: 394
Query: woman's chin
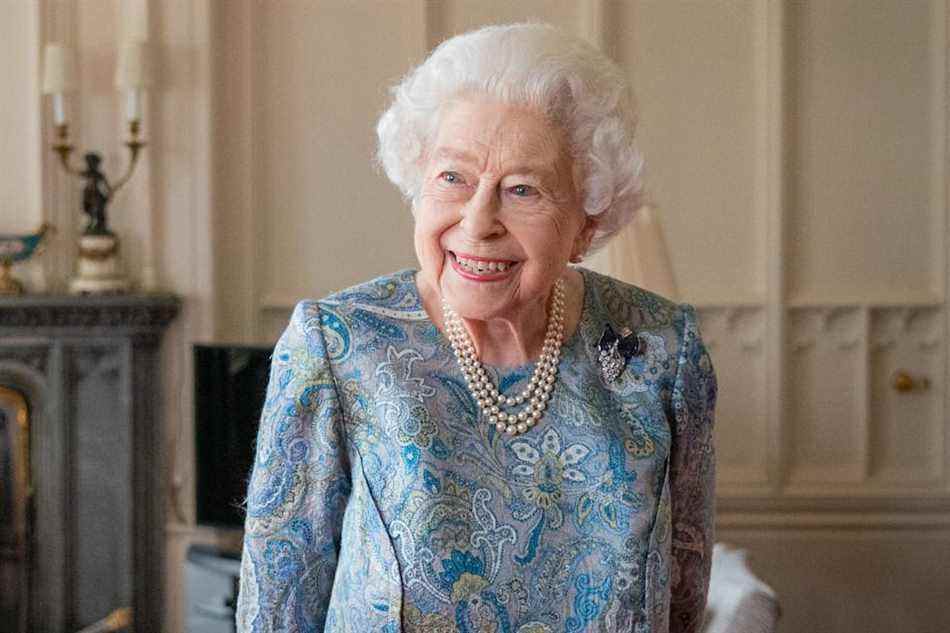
x: 476, y: 299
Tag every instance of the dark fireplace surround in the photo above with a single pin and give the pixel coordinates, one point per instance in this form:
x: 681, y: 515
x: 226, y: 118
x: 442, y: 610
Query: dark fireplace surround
x: 88, y: 369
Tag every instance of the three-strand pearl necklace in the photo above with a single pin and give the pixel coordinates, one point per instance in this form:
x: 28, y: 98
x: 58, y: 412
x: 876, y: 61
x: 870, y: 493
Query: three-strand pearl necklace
x: 495, y: 406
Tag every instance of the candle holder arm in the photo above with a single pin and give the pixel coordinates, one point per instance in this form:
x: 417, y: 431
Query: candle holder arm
x: 64, y: 148
x: 135, y: 148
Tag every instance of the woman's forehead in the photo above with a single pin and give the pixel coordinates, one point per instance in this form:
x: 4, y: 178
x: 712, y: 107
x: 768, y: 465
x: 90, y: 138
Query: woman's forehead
x: 478, y: 130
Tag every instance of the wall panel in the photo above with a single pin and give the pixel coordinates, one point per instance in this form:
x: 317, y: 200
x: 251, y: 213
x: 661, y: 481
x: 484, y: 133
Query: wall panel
x: 908, y: 428
x: 325, y: 217
x: 826, y: 424
x: 21, y: 204
x: 735, y: 338
x: 700, y: 128
x: 862, y: 125
x: 450, y: 17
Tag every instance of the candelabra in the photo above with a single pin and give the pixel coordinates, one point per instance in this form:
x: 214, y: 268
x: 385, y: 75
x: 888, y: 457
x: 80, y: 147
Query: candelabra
x: 99, y: 270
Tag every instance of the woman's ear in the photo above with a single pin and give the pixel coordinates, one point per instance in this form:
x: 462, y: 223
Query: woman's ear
x: 584, y: 238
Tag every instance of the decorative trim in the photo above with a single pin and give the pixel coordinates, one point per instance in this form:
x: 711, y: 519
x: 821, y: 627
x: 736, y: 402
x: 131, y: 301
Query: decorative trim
x: 769, y: 194
x: 132, y: 311
x: 33, y: 356
x: 833, y: 520
x: 844, y: 500
x: 744, y: 324
x: 921, y: 325
x: 839, y: 326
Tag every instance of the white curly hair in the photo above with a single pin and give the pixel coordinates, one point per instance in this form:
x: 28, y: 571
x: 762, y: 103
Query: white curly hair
x: 539, y: 66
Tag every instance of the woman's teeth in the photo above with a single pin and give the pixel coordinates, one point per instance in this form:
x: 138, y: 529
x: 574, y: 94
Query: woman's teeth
x: 481, y: 267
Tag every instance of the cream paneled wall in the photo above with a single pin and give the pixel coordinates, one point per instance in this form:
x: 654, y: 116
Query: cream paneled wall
x: 796, y: 155
x: 697, y: 72
x: 323, y: 73
x: 20, y: 190
x: 866, y: 114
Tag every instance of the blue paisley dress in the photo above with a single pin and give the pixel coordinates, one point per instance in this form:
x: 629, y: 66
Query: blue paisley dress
x: 380, y: 500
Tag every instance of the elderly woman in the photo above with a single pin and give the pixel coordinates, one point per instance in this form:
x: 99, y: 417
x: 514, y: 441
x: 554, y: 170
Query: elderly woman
x: 498, y: 441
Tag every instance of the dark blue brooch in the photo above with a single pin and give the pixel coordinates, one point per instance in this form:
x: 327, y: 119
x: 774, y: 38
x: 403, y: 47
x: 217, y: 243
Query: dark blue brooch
x: 615, y: 351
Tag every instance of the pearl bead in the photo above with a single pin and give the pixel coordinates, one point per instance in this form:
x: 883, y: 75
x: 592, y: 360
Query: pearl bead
x: 540, y: 384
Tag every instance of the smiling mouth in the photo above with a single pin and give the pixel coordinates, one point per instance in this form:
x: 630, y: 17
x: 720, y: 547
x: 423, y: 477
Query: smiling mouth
x: 478, y: 267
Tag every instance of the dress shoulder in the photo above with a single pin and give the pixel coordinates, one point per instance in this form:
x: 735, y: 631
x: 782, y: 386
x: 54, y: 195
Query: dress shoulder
x: 356, y: 319
x: 628, y: 304
x: 394, y: 292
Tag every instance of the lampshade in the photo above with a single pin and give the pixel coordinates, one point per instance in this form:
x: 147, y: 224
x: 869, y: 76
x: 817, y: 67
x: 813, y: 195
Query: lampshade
x: 133, y: 69
x: 640, y: 255
x: 59, y: 71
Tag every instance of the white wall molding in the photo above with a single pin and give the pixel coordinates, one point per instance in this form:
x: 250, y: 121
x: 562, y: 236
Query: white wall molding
x: 810, y: 520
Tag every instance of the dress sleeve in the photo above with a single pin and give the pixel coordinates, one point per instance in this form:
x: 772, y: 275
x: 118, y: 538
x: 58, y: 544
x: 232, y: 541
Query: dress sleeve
x: 692, y: 468
x: 298, y: 488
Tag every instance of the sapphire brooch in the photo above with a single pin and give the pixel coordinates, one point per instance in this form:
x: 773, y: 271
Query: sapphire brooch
x: 615, y: 351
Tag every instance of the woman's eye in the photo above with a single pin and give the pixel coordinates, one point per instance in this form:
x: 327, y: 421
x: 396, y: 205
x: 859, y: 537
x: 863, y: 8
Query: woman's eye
x: 524, y: 190
x: 450, y: 177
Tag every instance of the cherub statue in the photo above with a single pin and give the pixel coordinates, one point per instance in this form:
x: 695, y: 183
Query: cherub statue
x: 95, y: 196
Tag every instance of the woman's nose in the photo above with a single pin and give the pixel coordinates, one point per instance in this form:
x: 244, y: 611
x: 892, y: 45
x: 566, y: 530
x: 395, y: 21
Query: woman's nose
x: 480, y: 214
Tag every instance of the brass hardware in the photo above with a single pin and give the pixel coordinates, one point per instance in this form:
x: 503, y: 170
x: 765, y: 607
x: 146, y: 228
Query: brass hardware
x: 904, y: 382
x: 64, y: 148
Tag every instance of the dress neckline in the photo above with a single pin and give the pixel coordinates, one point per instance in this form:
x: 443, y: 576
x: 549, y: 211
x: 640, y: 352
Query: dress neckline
x: 504, y: 370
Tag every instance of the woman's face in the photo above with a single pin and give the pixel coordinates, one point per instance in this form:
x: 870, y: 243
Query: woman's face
x: 498, y: 216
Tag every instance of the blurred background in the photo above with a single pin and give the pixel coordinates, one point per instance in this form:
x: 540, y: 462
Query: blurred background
x: 797, y: 166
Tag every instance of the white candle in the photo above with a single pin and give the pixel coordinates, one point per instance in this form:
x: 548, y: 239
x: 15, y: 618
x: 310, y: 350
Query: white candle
x: 133, y: 105
x: 59, y: 108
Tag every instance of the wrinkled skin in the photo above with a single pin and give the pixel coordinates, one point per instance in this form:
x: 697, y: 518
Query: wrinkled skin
x: 499, y: 183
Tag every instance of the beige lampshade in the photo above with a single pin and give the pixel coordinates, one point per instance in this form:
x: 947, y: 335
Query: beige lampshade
x: 59, y: 70
x: 640, y: 255
x: 133, y: 70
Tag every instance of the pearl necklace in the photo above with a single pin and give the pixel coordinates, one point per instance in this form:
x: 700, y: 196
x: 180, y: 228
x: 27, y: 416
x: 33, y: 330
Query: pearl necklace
x: 539, y: 388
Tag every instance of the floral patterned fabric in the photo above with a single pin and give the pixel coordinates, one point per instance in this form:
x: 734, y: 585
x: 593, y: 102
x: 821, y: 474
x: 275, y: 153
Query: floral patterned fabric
x: 380, y: 500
